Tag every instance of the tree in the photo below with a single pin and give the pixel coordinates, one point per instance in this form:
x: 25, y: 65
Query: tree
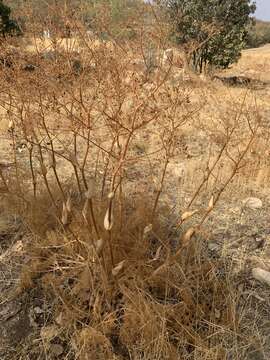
x: 7, y: 26
x: 215, y: 31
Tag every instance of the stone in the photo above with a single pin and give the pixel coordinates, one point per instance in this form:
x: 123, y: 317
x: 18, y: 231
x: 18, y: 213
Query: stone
x: 255, y: 354
x: 56, y: 349
x: 38, y: 310
x: 213, y: 246
x: 60, y: 319
x: 29, y: 67
x: 253, y: 203
x: 261, y: 275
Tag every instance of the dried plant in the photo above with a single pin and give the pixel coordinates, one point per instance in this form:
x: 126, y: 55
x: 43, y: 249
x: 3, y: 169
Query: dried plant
x: 132, y: 284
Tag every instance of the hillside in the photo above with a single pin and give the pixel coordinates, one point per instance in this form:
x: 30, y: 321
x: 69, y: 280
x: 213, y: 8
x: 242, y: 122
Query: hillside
x: 259, y: 34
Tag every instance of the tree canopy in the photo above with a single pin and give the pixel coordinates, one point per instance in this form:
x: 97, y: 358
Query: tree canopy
x: 214, y: 30
x: 7, y: 25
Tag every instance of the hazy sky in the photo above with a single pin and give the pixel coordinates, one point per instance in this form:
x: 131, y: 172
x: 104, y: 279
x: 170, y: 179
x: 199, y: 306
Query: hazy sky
x: 263, y: 9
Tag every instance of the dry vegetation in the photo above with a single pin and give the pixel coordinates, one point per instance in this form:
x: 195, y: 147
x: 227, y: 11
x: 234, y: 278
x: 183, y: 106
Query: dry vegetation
x: 122, y: 225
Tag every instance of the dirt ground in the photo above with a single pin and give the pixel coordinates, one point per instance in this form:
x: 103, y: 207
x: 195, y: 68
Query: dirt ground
x: 235, y: 233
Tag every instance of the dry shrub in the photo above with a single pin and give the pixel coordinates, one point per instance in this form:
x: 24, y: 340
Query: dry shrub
x: 135, y: 311
x: 128, y: 279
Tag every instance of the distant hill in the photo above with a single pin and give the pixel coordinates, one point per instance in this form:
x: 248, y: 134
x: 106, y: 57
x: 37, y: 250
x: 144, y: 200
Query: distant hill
x: 259, y: 34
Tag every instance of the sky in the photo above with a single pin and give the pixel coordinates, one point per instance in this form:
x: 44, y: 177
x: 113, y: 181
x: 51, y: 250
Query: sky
x: 263, y: 10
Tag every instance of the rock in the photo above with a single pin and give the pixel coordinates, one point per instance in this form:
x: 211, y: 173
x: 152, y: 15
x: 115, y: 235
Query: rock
x: 213, y: 246
x: 56, y: 349
x: 261, y: 275
x: 254, y: 354
x: 38, y: 310
x: 259, y: 242
x: 29, y: 67
x: 253, y: 203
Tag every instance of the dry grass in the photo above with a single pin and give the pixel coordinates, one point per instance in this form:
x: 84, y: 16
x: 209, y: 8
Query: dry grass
x: 254, y: 63
x: 115, y: 169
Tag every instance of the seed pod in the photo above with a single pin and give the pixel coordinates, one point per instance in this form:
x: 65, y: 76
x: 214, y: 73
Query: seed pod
x: 211, y: 204
x: 157, y: 255
x: 186, y: 215
x: 29, y: 146
x: 64, y: 218
x: 116, y: 270
x: 99, y: 245
x: 43, y: 169
x: 111, y: 195
x: 148, y: 229
x: 11, y: 125
x: 108, y: 220
x: 51, y: 162
x: 69, y: 203
x: 187, y: 236
x: 85, y: 210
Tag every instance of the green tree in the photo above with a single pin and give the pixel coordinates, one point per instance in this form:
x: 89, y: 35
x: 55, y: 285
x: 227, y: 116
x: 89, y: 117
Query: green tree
x: 7, y: 26
x: 215, y: 31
